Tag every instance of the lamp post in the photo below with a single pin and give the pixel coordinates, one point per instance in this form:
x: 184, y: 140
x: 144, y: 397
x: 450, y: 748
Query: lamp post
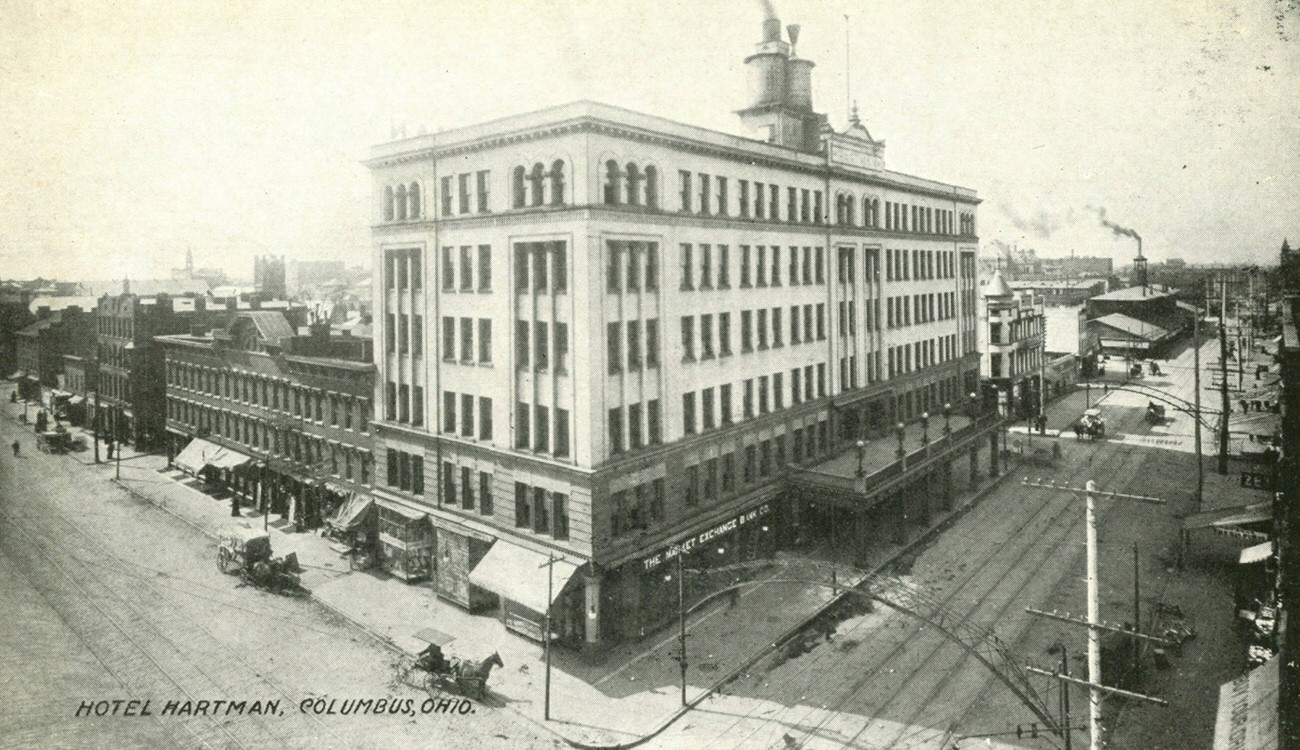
x: 947, y: 419
x: 925, y: 428
x: 974, y: 406
x: 901, y: 430
x: 862, y: 454
x: 94, y: 424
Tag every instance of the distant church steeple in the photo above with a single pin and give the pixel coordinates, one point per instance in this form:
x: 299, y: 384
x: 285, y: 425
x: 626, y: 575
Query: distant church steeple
x: 189, y: 263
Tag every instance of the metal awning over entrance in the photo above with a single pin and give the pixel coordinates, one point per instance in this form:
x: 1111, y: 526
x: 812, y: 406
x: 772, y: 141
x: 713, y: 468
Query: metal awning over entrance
x: 1258, y: 553
x: 520, y: 575
x: 200, y: 453
x: 1248, y: 710
x: 1223, y: 517
x: 353, y: 513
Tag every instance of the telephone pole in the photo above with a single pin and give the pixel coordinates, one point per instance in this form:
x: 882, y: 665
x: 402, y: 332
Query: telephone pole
x: 1095, y: 626
x: 1196, y: 368
x: 1223, y: 377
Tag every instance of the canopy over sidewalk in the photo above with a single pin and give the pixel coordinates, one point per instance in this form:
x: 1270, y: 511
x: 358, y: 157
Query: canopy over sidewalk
x: 520, y: 575
x: 200, y: 453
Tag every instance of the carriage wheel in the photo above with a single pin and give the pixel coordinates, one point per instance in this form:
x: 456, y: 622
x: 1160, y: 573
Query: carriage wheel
x: 226, y: 561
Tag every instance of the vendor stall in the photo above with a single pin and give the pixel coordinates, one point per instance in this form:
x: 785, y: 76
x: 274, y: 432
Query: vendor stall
x: 405, y: 542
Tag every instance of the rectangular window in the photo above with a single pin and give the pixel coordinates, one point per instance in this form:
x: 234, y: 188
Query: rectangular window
x: 722, y: 196
x: 561, y: 432
x: 808, y: 392
x: 417, y: 405
x: 522, y: 437
x: 778, y: 391
x: 634, y: 426
x: 748, y: 403
x: 688, y: 268
x: 776, y: 265
x: 540, y: 270
x: 821, y: 380
x: 805, y: 212
x: 704, y: 194
x: 792, y: 205
x: 821, y: 321
x: 541, y: 429
x: 484, y: 341
x: 449, y: 412
x: 416, y: 281
x: 560, y: 261
x: 614, y: 347
x: 688, y: 338
x: 651, y: 253
x: 744, y: 267
x: 751, y: 464
x: 652, y: 343
x: 633, y: 345
x: 466, y: 415
x: 685, y: 179
x: 466, y: 488
x: 760, y: 204
x: 559, y: 515
x: 448, y: 483
x: 760, y: 265
x: 807, y: 265
x: 462, y: 185
x: 724, y: 334
x: 706, y: 408
x: 746, y: 331
x: 729, y: 473
x: 561, y: 347
x: 688, y: 413
x: 485, y: 493
x: 483, y: 193
x: 484, y: 418
x: 762, y: 394
x: 724, y: 403
x: 794, y: 266
x: 632, y: 262
x: 692, y: 486
x: 762, y: 328
x: 466, y: 340
x: 724, y: 267
x: 613, y: 267
x: 446, y: 196
x: 706, y: 336
x: 466, y: 269
x: 616, y: 430
x: 417, y: 336
x: 744, y: 199
x: 654, y: 422
x: 706, y: 266
x: 485, y: 268
x: 521, y: 268
x: 523, y: 509
x: 521, y: 344
x: 417, y: 475
x: 541, y: 344
x: 711, y: 479
x: 776, y: 327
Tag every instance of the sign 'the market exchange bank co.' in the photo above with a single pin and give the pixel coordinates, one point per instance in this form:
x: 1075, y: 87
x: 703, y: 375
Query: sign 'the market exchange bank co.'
x: 690, y: 543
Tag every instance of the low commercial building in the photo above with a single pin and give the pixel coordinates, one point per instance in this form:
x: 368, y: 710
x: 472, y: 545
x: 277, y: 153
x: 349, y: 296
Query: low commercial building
x: 43, y: 344
x: 280, y: 418
x: 80, y: 378
x: 1062, y: 292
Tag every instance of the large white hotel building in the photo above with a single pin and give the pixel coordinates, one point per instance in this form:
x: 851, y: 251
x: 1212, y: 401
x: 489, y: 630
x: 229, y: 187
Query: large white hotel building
x: 608, y: 337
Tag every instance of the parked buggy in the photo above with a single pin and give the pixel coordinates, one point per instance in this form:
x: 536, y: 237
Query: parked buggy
x: 54, y: 441
x: 246, y: 552
x: 432, y: 669
x: 1090, y: 425
x: 1155, y: 413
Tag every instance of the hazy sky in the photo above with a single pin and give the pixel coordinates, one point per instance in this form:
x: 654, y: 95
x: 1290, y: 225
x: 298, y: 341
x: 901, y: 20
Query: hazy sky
x: 133, y: 130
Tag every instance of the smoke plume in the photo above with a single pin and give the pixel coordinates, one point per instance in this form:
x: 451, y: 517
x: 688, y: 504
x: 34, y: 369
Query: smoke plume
x: 1116, y: 228
x: 769, y: 11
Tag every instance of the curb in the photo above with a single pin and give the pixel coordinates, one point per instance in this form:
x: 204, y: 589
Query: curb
x: 762, y: 653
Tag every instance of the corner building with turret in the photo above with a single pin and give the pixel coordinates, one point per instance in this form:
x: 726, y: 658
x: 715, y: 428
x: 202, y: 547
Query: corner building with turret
x: 605, y: 338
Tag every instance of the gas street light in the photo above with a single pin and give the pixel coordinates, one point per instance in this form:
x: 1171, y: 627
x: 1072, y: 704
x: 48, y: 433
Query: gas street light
x: 925, y: 428
x: 862, y: 454
x: 901, y: 429
x: 947, y: 417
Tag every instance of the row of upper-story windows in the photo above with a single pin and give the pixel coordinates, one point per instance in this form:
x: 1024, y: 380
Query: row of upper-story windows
x: 467, y: 280
x: 917, y: 309
x: 542, y: 511
x: 630, y: 185
x: 635, y: 426
x: 918, y: 355
x: 642, y: 351
x: 402, y: 203
x: 311, y: 404
x: 405, y: 471
x: 534, y: 429
x: 636, y: 508
x: 711, y: 408
x: 402, y: 269
x: 919, y: 265
x: 708, y: 195
x: 538, y: 186
x: 404, y: 334
x: 757, y: 266
x: 538, y: 358
x: 318, y: 455
x: 466, y: 426
x: 467, y: 353
x: 466, y: 193
x: 465, y: 494
x: 404, y: 403
x: 760, y: 330
x: 541, y: 267
x: 716, y: 477
x: 123, y: 328
x: 631, y: 266
x: 112, y: 355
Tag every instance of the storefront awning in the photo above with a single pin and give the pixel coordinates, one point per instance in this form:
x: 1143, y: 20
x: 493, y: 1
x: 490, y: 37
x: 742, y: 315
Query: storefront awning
x: 200, y: 453
x: 408, y: 513
x: 77, y: 400
x: 1254, y: 513
x: 354, y: 513
x: 17, y: 376
x: 1248, y: 711
x: 520, y: 575
x: 1258, y: 553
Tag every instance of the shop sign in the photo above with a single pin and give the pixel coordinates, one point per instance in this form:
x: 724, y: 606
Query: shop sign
x: 1256, y: 480
x: 690, y: 543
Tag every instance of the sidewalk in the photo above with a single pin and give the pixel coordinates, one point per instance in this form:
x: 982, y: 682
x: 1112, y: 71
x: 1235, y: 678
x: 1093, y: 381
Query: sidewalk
x: 631, y: 694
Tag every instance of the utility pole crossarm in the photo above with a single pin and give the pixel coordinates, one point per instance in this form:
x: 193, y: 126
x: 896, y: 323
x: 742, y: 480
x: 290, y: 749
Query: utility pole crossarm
x: 1096, y: 686
x: 1067, y: 617
x: 1052, y: 485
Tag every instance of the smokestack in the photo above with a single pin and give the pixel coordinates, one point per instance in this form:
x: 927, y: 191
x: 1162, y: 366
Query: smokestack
x: 793, y: 31
x: 772, y: 30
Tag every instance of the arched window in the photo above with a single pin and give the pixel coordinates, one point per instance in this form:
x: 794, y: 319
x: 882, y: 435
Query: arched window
x: 557, y: 183
x: 651, y: 187
x: 633, y: 185
x: 388, y: 203
x: 400, y: 200
x: 536, y: 180
x: 518, y: 188
x: 850, y: 211
x: 611, y: 182
x: 413, y: 198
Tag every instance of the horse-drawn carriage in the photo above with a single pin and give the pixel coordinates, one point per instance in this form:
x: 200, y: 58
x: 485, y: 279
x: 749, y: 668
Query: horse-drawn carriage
x: 54, y: 441
x: 433, y: 669
x: 246, y: 552
x: 1155, y: 413
x: 1091, y: 425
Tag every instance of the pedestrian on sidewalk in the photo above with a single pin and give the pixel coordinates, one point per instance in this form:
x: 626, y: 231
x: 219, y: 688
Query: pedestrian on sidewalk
x: 16, y: 446
x: 110, y: 450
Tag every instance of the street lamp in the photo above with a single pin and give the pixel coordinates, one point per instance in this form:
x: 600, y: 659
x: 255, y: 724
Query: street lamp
x: 862, y: 454
x: 925, y: 428
x: 901, y: 429
x: 947, y: 419
x: 974, y: 406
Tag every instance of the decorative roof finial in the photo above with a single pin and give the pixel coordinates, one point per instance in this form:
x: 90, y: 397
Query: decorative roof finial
x: 854, y: 121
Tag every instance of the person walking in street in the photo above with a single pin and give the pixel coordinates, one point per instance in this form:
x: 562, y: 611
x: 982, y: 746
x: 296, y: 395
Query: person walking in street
x: 16, y: 446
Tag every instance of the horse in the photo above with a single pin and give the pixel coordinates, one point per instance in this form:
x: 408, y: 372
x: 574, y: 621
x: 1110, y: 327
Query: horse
x: 1079, y: 431
x: 471, y: 676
